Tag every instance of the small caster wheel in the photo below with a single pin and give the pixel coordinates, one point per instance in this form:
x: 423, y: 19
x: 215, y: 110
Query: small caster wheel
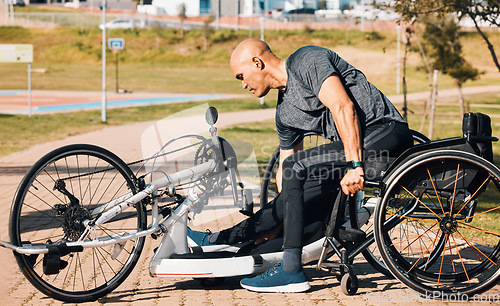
x: 349, y: 284
x: 339, y: 276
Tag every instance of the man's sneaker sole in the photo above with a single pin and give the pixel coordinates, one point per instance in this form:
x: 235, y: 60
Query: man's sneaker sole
x: 298, y: 287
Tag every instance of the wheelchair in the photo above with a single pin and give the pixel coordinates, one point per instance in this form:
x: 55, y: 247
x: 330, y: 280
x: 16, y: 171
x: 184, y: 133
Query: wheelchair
x: 432, y: 215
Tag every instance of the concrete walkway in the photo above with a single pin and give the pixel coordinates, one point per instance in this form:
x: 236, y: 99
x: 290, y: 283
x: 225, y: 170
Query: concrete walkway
x: 140, y: 288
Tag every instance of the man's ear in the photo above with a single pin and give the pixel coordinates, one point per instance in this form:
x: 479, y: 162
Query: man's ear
x: 256, y: 61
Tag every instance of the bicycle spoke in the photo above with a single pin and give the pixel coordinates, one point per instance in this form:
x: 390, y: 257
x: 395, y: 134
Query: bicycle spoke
x: 45, y: 216
x: 48, y: 190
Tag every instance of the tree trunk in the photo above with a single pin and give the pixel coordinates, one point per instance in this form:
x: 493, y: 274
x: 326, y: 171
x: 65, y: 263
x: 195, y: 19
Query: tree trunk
x: 461, y: 99
x: 427, y: 103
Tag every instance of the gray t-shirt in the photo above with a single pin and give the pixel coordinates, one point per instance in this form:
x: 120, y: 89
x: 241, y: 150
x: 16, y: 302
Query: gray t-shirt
x: 299, y: 110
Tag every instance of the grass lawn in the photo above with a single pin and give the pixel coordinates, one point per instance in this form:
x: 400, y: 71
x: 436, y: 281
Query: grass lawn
x: 159, y: 60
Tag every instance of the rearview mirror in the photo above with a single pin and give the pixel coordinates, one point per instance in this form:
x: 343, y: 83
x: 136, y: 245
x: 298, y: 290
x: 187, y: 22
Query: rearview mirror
x: 211, y: 115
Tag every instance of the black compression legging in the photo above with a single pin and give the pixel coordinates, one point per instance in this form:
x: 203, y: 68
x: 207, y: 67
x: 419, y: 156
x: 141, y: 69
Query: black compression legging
x: 327, y: 163
x: 318, y: 198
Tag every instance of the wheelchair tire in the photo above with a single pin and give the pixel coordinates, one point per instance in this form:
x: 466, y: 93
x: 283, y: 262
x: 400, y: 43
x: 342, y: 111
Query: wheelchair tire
x: 55, y: 197
x: 442, y: 194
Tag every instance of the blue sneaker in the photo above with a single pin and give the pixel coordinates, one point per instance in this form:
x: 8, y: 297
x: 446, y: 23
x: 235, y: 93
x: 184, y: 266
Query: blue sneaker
x: 277, y: 280
x: 200, y: 238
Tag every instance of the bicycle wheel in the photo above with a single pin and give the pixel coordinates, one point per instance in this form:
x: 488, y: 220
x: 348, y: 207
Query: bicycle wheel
x: 448, y: 194
x: 54, y: 199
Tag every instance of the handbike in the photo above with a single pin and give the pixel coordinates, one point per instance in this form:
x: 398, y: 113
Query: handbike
x: 80, y: 216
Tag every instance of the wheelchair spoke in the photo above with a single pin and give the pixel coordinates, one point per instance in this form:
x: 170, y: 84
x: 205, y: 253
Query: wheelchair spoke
x: 434, y: 186
x: 433, y: 244
x: 473, y: 247
x: 442, y: 259
x: 415, y: 237
x: 451, y: 254
x: 461, y: 260
x: 421, y: 202
x: 481, y: 213
x: 473, y: 228
x: 471, y: 197
x: 457, y: 193
x: 425, y: 252
x: 413, y: 218
x: 454, y: 189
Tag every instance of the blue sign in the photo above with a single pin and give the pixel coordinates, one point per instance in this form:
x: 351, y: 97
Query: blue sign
x: 116, y: 43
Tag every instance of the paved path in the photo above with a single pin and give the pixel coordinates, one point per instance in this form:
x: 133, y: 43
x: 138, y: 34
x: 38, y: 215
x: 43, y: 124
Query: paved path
x: 140, y: 288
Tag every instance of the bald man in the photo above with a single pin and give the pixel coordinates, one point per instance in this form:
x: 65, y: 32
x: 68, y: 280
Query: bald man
x: 318, y: 92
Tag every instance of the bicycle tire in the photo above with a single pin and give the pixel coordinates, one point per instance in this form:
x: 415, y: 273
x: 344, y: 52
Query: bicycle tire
x: 41, y: 214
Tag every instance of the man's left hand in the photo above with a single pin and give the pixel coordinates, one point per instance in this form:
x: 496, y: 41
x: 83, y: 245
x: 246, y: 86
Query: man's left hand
x: 353, y: 181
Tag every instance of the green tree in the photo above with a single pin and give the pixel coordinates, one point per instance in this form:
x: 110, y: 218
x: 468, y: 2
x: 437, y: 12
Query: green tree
x: 478, y: 10
x: 442, y: 37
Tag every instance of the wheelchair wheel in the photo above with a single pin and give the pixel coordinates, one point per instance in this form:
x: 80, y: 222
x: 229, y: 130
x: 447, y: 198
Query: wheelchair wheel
x: 436, y: 226
x: 51, y: 205
x: 268, y: 188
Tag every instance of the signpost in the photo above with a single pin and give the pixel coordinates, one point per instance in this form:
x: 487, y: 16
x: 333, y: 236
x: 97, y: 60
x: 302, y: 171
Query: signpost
x: 19, y: 53
x: 116, y: 44
x: 103, y: 44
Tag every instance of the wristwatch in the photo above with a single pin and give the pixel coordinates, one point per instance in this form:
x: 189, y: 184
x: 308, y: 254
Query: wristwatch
x: 354, y: 164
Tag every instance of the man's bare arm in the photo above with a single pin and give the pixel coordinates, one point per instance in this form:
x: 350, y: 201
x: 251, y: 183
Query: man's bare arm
x: 333, y: 95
